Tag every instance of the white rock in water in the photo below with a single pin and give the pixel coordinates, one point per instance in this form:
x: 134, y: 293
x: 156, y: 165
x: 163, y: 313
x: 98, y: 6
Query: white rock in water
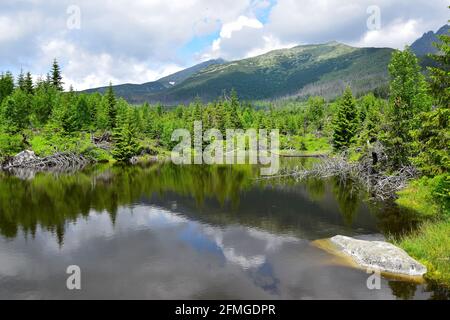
x: 379, y: 255
x: 26, y: 155
x: 23, y: 157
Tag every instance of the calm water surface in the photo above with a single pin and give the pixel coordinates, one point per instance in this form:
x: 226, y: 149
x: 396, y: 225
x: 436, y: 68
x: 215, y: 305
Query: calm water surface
x: 166, y: 232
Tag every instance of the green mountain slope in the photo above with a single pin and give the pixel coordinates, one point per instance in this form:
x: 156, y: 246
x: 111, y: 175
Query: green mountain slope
x: 324, y: 69
x: 132, y: 92
x: 136, y: 93
x: 304, y: 70
x: 182, y: 75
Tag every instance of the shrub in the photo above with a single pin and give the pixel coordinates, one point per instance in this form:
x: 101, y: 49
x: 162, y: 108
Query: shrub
x: 10, y: 144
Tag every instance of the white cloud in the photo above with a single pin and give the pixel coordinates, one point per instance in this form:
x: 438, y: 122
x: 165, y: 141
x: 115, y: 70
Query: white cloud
x: 239, y: 24
x: 119, y: 40
x: 81, y: 73
x: 139, y: 41
x: 245, y: 37
x: 270, y: 43
x: 396, y: 35
x: 312, y: 21
x: 206, y: 26
x: 9, y: 30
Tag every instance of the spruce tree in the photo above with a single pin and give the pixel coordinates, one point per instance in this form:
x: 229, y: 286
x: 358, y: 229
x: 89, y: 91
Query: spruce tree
x: 112, y: 107
x: 102, y: 115
x: 432, y: 141
x: 48, y: 81
x: 45, y: 99
x: 440, y: 74
x: 408, y: 99
x: 56, y: 77
x: 82, y: 113
x: 315, y: 112
x: 124, y: 136
x: 346, y: 121
x: 197, y: 110
x: 15, y: 111
x: 232, y: 120
x: 432, y: 137
x: 219, y: 117
x: 28, y: 85
x: 21, y: 81
x: 371, y: 127
x: 366, y: 103
x: 6, y: 85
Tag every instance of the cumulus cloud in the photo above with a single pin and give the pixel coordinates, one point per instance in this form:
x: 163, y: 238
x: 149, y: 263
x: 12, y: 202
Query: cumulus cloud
x: 396, y: 35
x: 239, y: 24
x: 236, y: 38
x: 139, y: 41
x: 85, y: 69
x: 312, y: 21
x: 245, y: 37
x: 119, y: 41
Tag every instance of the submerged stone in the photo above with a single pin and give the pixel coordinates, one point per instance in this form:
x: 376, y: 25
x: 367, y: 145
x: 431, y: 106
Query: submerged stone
x: 379, y: 255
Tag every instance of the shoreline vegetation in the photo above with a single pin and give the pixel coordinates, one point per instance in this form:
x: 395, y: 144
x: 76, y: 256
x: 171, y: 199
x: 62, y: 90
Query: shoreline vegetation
x: 430, y: 243
x: 381, y: 138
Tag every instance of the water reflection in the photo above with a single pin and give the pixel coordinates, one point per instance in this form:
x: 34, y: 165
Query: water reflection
x: 219, y: 195
x: 161, y: 231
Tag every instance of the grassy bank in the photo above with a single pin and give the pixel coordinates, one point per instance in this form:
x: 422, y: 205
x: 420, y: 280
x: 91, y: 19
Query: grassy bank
x: 430, y: 244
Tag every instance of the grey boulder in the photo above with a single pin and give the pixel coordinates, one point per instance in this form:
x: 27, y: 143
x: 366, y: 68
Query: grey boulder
x: 379, y: 255
x: 22, y: 158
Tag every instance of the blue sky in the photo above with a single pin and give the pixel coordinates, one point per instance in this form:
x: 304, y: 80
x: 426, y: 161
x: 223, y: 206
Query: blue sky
x: 142, y: 40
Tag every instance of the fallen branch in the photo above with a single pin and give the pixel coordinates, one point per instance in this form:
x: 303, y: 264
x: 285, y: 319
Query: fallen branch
x: 380, y: 185
x: 61, y: 161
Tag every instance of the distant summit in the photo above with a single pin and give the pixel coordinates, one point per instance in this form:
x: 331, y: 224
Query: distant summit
x: 424, y: 45
x: 182, y: 75
x: 134, y: 93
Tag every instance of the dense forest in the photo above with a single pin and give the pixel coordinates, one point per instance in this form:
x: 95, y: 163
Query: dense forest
x: 412, y: 123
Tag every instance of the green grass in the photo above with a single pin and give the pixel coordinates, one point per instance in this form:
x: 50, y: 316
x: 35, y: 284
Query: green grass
x: 41, y: 146
x: 355, y: 156
x: 308, y: 144
x: 431, y: 246
x: 418, y: 196
x: 45, y: 144
x: 101, y: 155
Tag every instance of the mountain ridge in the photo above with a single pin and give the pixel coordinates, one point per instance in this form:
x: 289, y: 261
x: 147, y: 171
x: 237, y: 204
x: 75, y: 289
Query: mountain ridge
x: 128, y: 90
x: 301, y: 71
x: 286, y: 72
x: 424, y: 45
